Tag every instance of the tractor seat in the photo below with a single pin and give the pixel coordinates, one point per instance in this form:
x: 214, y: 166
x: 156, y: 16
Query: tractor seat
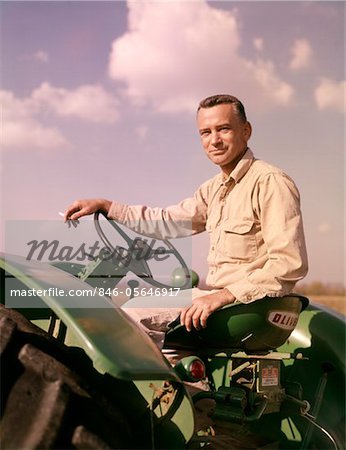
x: 259, y: 326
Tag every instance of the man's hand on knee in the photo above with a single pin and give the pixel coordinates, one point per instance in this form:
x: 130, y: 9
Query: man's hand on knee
x: 197, y: 314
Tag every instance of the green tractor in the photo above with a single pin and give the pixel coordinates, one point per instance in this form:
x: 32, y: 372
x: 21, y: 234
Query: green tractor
x: 78, y: 373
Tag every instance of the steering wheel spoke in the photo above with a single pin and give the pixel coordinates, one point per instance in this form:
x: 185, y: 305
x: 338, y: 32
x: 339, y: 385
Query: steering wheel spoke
x: 139, y: 252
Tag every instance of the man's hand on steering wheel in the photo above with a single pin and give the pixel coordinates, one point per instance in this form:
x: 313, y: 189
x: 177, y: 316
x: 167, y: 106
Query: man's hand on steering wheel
x: 197, y: 314
x: 135, y: 263
x: 85, y: 207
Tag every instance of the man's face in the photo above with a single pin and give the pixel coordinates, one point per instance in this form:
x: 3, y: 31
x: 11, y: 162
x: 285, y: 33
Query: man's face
x: 224, y: 136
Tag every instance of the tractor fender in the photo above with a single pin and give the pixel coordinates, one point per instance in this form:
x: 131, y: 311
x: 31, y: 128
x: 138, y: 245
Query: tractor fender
x: 320, y: 337
x: 112, y: 341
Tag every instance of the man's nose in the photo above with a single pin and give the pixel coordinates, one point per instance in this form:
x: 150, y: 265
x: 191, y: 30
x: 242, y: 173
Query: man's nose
x: 215, y: 138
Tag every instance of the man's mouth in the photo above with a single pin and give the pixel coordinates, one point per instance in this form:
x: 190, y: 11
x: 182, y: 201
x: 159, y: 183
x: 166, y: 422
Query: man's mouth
x: 219, y: 151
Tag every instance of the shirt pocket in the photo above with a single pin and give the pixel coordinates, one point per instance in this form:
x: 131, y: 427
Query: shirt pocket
x: 238, y: 239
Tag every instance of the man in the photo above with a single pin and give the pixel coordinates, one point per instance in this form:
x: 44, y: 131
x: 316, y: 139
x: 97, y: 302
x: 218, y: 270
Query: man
x: 251, y: 211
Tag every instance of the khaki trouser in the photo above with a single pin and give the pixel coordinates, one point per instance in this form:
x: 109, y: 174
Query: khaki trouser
x: 154, y: 313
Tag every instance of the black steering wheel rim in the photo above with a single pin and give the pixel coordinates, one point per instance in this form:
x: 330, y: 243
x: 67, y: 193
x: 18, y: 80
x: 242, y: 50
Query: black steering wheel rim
x: 149, y: 278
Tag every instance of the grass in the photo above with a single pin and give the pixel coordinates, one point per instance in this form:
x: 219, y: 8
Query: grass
x: 336, y: 302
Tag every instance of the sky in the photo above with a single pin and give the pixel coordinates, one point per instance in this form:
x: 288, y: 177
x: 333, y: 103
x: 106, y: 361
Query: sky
x: 99, y: 98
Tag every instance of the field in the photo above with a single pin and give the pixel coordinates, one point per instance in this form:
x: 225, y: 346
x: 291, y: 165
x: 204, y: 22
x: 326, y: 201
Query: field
x: 336, y: 302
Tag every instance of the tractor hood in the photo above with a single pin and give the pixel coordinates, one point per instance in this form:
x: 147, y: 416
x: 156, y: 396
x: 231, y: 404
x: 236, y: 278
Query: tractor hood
x: 113, y: 342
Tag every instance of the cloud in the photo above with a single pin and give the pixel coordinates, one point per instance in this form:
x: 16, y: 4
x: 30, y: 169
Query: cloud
x: 301, y: 54
x: 330, y: 94
x: 324, y: 228
x: 87, y: 102
x: 41, y: 56
x: 142, y: 132
x: 264, y: 73
x: 258, y: 44
x: 175, y: 53
x: 28, y: 134
x: 23, y: 118
x: 21, y: 130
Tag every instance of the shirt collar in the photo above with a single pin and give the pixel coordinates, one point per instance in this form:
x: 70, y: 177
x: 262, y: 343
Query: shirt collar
x: 241, y: 168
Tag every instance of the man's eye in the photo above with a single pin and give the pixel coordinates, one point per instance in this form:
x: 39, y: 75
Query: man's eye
x: 225, y: 129
x: 205, y: 133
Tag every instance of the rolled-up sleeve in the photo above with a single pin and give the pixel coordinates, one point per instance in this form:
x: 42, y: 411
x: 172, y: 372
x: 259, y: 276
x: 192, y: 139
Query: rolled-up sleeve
x: 184, y: 219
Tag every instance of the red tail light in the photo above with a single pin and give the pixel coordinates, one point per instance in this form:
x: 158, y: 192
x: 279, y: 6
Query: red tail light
x: 197, y: 369
x: 190, y: 368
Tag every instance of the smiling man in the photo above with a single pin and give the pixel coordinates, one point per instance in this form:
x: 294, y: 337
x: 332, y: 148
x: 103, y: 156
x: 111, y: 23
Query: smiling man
x: 224, y: 132
x: 251, y: 211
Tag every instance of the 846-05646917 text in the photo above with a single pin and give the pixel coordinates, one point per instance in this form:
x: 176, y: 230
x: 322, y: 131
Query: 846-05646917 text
x: 136, y: 292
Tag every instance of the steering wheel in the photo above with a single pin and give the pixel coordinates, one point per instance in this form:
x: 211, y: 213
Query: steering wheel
x: 138, y: 253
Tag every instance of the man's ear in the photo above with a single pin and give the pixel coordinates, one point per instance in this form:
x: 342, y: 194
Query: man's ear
x: 247, y: 130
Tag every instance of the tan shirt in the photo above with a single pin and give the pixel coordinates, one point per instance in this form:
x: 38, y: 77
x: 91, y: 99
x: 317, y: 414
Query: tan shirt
x: 253, y: 218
